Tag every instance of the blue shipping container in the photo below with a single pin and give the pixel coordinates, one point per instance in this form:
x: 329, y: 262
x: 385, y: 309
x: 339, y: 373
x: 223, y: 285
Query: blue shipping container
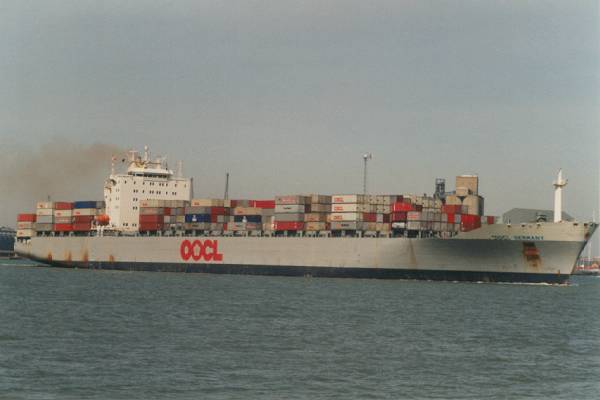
x: 197, y: 218
x: 249, y: 218
x: 84, y: 204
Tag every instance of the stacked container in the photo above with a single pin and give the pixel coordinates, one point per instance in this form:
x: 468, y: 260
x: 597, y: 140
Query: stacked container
x: 317, y: 212
x: 158, y: 215
x: 348, y: 210
x: 289, y: 213
x: 206, y: 215
x: 84, y: 213
x: 26, y: 225
x: 44, y: 216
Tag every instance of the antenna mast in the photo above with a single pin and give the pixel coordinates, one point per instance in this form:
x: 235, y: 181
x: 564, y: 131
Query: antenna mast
x: 366, y: 158
x: 226, y: 196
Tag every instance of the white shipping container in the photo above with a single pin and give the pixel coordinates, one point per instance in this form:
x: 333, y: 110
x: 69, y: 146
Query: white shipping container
x: 45, y: 205
x: 207, y: 203
x: 346, y: 226
x: 347, y: 198
x: 346, y: 216
x: 413, y: 225
x: 46, y: 212
x: 63, y: 213
x: 25, y: 225
x: 246, y: 211
x: 414, y: 216
x: 350, y: 207
x: 21, y: 233
x: 295, y: 199
x: 83, y: 212
x: 63, y: 220
x: 289, y: 208
x: 315, y: 226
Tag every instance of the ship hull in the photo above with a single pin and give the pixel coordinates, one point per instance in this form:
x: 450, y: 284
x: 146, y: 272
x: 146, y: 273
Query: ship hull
x: 493, y: 255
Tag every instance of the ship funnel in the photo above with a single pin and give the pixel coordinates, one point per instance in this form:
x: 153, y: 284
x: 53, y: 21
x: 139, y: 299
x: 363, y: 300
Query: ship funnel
x: 558, y: 186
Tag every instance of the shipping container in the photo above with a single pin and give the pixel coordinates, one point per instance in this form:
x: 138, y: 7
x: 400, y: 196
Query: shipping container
x: 63, y: 213
x: 25, y: 225
x: 78, y: 219
x: 246, y: 211
x: 346, y: 216
x: 315, y: 226
x: 45, y: 219
x: 318, y: 208
x: 82, y: 227
x: 269, y: 204
x: 294, y: 199
x: 320, y: 199
x: 401, y: 207
x: 289, y: 208
x: 399, y: 216
x: 47, y: 212
x: 62, y: 227
x: 151, y: 218
x: 369, y: 217
x: 289, y: 217
x: 207, y: 203
x: 188, y: 226
x: 347, y: 198
x: 151, y: 226
x: 84, y: 212
x: 63, y: 205
x: 315, y: 217
x: 346, y: 226
x: 43, y: 227
x: 25, y: 233
x: 414, y: 216
x: 288, y: 226
x: 26, y: 217
x: 197, y: 218
x: 84, y: 204
x: 152, y: 211
x: 44, y: 205
x: 351, y: 207
x: 248, y: 218
x: 63, y: 220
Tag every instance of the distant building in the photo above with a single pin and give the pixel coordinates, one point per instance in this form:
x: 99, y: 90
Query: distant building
x: 525, y: 215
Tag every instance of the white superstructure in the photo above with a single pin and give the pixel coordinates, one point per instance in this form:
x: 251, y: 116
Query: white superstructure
x: 145, y: 179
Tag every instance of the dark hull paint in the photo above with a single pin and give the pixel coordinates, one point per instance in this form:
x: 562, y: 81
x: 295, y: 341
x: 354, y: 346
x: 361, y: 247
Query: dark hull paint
x: 323, y: 272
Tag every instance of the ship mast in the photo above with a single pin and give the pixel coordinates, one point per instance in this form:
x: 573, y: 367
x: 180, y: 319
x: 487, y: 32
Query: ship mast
x: 558, y: 186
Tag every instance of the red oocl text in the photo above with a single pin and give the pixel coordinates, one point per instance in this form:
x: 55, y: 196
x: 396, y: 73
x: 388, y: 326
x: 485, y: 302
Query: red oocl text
x: 206, y: 250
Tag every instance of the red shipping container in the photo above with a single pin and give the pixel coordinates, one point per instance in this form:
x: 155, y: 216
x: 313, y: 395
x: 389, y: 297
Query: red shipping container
x: 82, y: 219
x: 217, y: 211
x: 214, y: 218
x: 26, y: 218
x: 451, y: 208
x: 418, y: 207
x: 398, y: 216
x: 151, y: 219
x: 386, y: 218
x: 369, y: 217
x: 167, y: 211
x: 288, y: 226
x: 63, y: 227
x: 398, y: 207
x: 491, y: 220
x: 82, y: 227
x: 451, y: 218
x: 262, y: 203
x: 151, y: 226
x: 63, y: 205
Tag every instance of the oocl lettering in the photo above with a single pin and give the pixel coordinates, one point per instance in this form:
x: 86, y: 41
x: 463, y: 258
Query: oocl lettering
x: 207, y: 250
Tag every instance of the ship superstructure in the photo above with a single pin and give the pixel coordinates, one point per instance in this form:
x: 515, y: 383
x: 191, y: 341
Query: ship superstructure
x: 146, y: 178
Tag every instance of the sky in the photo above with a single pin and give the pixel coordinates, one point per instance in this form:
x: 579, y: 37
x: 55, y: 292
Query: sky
x: 287, y: 95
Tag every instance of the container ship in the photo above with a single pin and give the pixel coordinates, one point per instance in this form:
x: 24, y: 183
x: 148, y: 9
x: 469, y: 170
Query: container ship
x: 150, y: 220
